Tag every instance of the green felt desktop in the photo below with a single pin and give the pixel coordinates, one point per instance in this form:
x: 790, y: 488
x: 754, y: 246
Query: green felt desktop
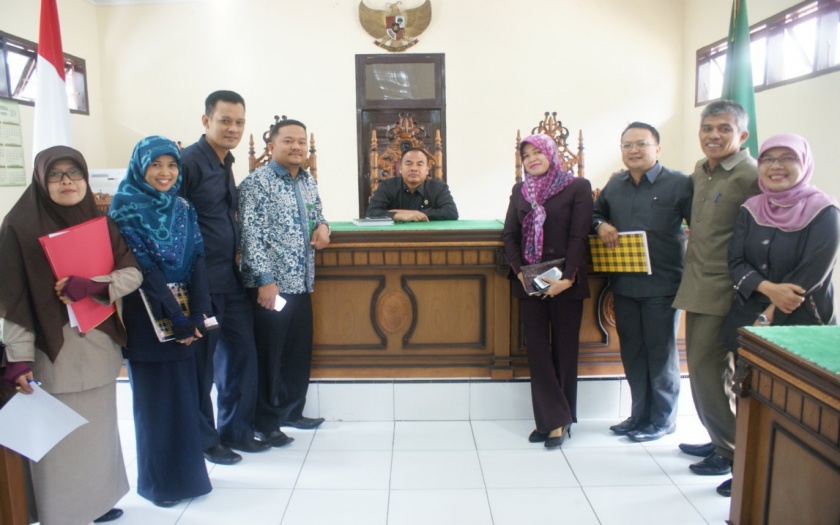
x: 817, y: 344
x: 420, y: 226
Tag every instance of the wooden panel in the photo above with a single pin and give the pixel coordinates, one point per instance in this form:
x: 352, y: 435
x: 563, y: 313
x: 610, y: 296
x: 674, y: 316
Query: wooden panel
x: 434, y: 326
x: 790, y: 497
x: 345, y: 306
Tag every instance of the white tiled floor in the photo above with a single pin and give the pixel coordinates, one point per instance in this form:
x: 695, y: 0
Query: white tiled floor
x: 456, y: 470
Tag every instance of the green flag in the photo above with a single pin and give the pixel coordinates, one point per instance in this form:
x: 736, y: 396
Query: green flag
x: 737, y: 76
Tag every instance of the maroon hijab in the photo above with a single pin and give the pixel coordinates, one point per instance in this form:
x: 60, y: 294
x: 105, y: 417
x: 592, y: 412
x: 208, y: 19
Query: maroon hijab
x: 537, y: 190
x: 27, y: 296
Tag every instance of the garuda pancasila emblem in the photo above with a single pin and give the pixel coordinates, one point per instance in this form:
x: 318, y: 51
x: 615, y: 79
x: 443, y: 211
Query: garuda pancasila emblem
x: 395, y: 30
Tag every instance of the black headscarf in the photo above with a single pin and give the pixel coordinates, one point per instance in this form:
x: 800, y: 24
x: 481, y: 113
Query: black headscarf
x: 27, y: 296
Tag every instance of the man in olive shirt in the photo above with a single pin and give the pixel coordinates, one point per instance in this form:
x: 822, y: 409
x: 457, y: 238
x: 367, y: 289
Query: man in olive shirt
x: 413, y: 197
x: 722, y: 182
x: 654, y: 199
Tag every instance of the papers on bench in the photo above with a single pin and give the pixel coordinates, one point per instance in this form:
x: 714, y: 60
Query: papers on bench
x: 373, y: 221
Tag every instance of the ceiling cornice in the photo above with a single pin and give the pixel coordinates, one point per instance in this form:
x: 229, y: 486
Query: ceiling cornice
x: 110, y: 3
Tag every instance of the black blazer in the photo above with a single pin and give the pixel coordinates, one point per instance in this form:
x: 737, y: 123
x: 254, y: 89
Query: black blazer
x: 567, y: 224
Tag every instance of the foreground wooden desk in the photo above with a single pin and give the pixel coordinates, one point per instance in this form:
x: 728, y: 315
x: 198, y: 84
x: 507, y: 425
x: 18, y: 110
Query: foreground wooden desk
x: 432, y: 300
x: 787, y: 453
x: 12, y: 489
x: 13, y: 509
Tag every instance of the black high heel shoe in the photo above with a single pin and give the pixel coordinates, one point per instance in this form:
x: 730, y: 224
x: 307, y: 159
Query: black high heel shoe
x: 538, y: 437
x: 557, y: 441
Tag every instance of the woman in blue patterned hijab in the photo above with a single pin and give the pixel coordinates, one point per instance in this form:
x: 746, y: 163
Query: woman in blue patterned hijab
x: 162, y: 230
x: 160, y: 227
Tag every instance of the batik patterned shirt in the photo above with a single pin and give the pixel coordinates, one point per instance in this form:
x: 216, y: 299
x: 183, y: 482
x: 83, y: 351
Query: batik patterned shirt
x: 278, y: 214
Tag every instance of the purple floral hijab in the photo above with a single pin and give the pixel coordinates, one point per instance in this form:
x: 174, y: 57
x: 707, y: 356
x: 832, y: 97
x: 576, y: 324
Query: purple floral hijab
x: 537, y: 190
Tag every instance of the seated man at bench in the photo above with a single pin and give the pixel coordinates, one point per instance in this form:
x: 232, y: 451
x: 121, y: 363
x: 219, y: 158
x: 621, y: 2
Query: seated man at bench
x: 413, y: 196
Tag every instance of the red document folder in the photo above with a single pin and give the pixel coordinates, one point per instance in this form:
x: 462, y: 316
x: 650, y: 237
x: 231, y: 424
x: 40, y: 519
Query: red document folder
x: 83, y: 250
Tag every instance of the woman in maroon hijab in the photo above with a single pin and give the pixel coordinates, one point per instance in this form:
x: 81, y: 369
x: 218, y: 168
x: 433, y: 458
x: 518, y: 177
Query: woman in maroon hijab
x: 549, y: 217
x: 82, y: 477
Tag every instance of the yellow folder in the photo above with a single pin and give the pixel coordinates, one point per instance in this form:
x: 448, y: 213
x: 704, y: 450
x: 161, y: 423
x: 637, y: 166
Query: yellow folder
x: 631, y: 256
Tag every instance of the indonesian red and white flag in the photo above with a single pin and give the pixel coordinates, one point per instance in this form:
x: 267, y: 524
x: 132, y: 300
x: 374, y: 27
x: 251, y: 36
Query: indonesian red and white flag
x: 52, y: 114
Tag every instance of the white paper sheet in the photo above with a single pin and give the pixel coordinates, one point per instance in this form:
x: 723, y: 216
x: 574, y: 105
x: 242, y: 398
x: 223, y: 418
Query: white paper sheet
x: 72, y: 315
x: 33, y: 424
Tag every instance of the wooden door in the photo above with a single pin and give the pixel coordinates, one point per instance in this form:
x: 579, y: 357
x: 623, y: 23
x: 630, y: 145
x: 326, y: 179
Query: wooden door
x: 387, y: 85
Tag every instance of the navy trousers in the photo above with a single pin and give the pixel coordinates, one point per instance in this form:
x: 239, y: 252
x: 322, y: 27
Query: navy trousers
x: 228, y: 356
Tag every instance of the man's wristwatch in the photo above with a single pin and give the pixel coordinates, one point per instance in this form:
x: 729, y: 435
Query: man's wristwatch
x: 762, y: 320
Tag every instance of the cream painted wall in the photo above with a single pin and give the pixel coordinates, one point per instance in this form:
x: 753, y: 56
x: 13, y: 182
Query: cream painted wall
x: 504, y: 68
x: 79, y: 37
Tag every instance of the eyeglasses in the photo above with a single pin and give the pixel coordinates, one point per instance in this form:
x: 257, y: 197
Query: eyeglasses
x: 784, y: 160
x: 627, y: 146
x: 58, y: 176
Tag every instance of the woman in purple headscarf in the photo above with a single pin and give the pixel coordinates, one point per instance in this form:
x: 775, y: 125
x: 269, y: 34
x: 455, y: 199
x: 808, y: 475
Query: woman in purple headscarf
x: 549, y: 217
x: 785, y: 245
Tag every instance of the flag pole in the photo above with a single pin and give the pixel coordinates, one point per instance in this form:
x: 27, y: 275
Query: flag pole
x: 737, y: 74
x: 52, y: 113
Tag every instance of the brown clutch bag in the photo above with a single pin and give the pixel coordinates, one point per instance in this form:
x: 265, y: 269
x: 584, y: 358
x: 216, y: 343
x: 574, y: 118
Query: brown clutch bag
x: 532, y: 272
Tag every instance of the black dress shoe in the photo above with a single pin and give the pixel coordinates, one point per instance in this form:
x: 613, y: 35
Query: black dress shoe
x: 725, y: 488
x: 712, y: 465
x: 701, y: 451
x: 538, y: 437
x: 166, y: 503
x: 303, y: 423
x: 221, y: 455
x: 651, y: 432
x: 628, y: 425
x: 275, y: 438
x: 250, y: 446
x: 111, y: 515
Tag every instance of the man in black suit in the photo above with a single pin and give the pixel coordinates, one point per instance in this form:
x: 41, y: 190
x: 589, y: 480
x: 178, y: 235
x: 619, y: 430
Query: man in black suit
x: 413, y: 197
x: 654, y: 199
x: 227, y: 355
